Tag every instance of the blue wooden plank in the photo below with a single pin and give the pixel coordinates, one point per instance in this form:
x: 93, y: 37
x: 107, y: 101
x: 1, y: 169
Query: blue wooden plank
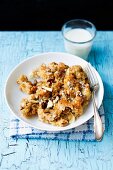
x: 55, y: 155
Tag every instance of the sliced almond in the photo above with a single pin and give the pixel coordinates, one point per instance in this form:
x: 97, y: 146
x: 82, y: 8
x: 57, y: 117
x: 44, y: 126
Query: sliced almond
x: 56, y: 99
x: 47, y: 88
x: 50, y: 104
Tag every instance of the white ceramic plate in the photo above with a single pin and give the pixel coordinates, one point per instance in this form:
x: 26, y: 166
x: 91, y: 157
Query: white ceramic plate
x: 14, y: 95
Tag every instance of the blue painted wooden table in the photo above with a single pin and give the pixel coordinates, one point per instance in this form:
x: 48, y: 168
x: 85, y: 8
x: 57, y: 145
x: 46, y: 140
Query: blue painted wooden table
x: 31, y: 154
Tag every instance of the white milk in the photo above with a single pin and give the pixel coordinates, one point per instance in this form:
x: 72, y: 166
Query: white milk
x: 78, y: 48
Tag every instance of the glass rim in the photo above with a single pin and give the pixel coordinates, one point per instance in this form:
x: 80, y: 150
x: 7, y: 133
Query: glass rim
x: 83, y: 20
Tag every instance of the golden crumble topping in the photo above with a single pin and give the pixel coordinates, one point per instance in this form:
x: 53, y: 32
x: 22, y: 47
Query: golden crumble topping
x: 58, y: 94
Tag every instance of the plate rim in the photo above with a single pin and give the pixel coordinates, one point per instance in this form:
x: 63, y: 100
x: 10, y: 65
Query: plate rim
x: 34, y: 56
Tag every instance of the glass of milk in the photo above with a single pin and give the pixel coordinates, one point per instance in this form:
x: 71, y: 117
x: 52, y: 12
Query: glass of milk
x: 78, y: 37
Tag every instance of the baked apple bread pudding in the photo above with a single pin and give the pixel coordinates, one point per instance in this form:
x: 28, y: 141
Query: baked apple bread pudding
x: 57, y: 93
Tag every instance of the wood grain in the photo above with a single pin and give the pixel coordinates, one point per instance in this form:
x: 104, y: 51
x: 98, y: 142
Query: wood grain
x: 32, y: 154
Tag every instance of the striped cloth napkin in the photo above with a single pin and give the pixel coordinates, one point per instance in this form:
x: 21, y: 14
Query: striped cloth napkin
x: 85, y: 132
